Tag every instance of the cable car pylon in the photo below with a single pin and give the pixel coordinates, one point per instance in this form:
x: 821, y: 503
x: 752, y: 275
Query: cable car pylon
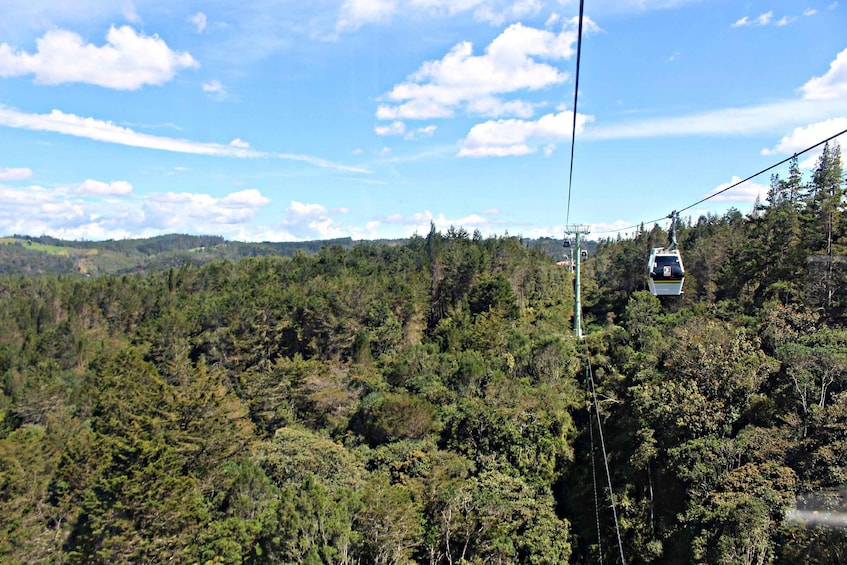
x: 576, y: 230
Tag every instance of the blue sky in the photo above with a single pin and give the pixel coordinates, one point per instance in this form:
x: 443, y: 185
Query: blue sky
x: 280, y: 120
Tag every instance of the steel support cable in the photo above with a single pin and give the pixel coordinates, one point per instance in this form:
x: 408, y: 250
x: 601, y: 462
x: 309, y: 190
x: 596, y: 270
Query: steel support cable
x: 754, y: 175
x: 594, y: 481
x: 603, y: 450
x: 575, y: 99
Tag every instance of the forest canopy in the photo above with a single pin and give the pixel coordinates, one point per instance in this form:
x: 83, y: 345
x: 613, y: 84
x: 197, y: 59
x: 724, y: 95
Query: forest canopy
x: 427, y: 401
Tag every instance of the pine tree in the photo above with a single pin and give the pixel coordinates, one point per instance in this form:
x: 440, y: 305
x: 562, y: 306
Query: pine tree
x: 824, y: 222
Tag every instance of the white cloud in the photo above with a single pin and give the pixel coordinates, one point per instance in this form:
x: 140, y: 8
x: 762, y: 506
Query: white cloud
x: 99, y: 130
x: 831, y: 85
x: 486, y: 222
x: 239, y: 143
x: 492, y: 107
x: 399, y: 128
x: 311, y: 221
x: 127, y: 62
x: 806, y: 136
x: 767, y: 19
x: 97, y: 188
x: 394, y: 128
x: 512, y: 62
x: 298, y: 211
x: 213, y: 86
x: 823, y: 98
x: 764, y: 19
x: 385, y: 152
x: 130, y: 13
x: 201, y: 213
x: 36, y: 211
x: 355, y: 13
x: 810, y: 162
x: 250, y: 198
x: 745, y: 193
x: 765, y: 118
x: 519, y: 137
x: 199, y: 21
x: 12, y: 174
x: 518, y: 10
x: 761, y: 20
x: 91, y: 128
x: 215, y: 89
x: 809, y: 12
x: 427, y: 131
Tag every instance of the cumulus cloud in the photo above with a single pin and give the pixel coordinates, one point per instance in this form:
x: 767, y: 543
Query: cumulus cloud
x: 806, y: 136
x: 831, y: 85
x: 487, y: 222
x: 462, y: 81
x: 92, y: 213
x: 108, y: 132
x: 128, y: 61
x: 394, y: 128
x: 12, y: 174
x: 97, y: 188
x: 312, y: 221
x: 823, y: 97
x: 519, y: 137
x: 37, y: 210
x: 202, y: 213
x: 747, y: 192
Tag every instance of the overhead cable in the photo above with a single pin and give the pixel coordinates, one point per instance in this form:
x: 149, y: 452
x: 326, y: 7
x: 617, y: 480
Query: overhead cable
x: 575, y: 99
x: 754, y: 175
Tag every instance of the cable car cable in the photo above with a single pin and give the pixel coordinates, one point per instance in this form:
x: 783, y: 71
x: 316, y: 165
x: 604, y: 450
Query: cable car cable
x: 567, y: 221
x: 754, y: 175
x: 590, y: 372
x: 594, y: 482
x: 575, y: 99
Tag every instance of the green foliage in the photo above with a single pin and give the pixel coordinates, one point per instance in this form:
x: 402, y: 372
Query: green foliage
x: 418, y: 402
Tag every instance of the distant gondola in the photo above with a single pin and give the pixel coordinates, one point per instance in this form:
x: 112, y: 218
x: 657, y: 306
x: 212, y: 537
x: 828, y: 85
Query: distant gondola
x: 666, y: 272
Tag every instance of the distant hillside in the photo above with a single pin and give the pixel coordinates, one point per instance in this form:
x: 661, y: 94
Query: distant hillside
x: 24, y: 255
x: 32, y: 256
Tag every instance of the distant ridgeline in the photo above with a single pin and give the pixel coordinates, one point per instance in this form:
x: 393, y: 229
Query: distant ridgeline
x: 26, y: 255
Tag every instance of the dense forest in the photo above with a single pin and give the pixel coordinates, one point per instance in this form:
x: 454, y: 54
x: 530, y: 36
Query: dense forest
x: 427, y: 402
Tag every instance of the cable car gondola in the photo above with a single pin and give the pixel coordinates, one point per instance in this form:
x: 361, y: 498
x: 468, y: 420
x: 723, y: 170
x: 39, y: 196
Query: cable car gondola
x: 666, y: 272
